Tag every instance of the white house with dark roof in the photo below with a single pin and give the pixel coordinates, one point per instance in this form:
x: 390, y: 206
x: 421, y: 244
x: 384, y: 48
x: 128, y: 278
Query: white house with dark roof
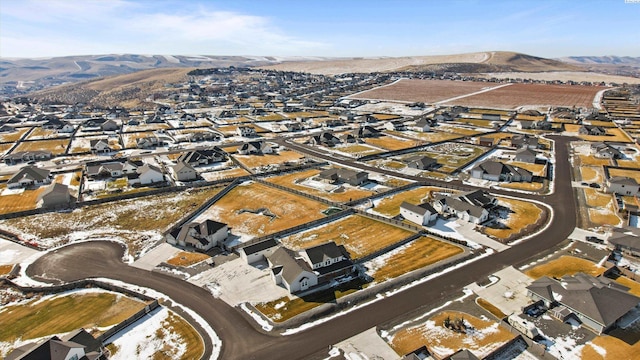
x: 259, y: 251
x: 255, y: 148
x: 246, y: 131
x: 100, y: 146
x: 422, y: 214
x: 204, y: 235
x: 337, y: 175
x: 291, y: 271
x: 183, y: 172
x: 29, y: 176
x: 598, y: 302
x: 498, y: 171
x: 472, y: 206
x: 622, y: 185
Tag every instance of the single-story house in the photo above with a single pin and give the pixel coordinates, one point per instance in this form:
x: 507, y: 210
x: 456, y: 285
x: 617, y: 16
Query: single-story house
x: 366, y: 131
x: 525, y: 155
x: 29, y: 176
x: 259, y: 251
x: 395, y: 125
x: 605, y: 151
x: 421, y: 162
x: 520, y: 141
x: 183, y: 172
x: 472, y: 206
x: 148, y: 174
x: 622, y: 185
x: 422, y: 214
x: 498, y: 171
x: 592, y: 130
x: 255, y: 148
x: 598, y: 302
x: 324, y: 138
x: 348, y: 176
x: 203, y: 236
x: 202, y: 157
x: 627, y: 243
x: 423, y: 125
x: 55, y: 196
x: 26, y: 156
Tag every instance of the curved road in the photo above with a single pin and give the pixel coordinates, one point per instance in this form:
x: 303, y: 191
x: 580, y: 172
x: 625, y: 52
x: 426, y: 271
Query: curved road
x: 241, y: 340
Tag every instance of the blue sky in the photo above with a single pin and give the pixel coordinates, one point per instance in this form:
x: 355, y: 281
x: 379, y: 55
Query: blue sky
x: 43, y: 28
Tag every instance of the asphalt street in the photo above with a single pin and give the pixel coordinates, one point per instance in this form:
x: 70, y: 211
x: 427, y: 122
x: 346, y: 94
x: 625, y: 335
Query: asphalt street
x: 242, y: 339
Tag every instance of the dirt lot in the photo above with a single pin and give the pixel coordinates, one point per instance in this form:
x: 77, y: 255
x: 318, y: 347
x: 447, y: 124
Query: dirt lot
x: 513, y: 96
x: 427, y: 91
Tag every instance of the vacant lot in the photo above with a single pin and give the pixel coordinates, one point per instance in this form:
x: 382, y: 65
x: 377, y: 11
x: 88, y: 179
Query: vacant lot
x: 254, y: 209
x: 520, y: 217
x: 612, y: 134
x: 481, y: 338
x: 565, y: 265
x: 390, y: 206
x: 515, y: 95
x: 390, y: 142
x: 593, y: 161
x: 56, y: 147
x: 450, y: 155
x: 427, y: 91
x: 357, y: 150
x: 524, y: 186
x: 13, y: 136
x: 360, y: 235
x: 416, y: 255
x: 303, y: 181
x: 138, y: 222
x: 252, y: 161
x: 429, y: 137
x: 591, y: 174
x: 609, y: 348
x: 24, y: 200
x: 60, y: 314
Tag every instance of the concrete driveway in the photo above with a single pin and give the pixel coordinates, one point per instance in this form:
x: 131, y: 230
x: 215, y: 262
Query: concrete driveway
x: 12, y: 253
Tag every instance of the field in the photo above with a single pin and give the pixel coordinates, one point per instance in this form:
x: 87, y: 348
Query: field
x: 634, y: 174
x: 121, y: 220
x: 611, y: 134
x: 591, y: 174
x: 515, y: 95
x: 390, y: 206
x: 536, y: 169
x: 64, y: 313
x: 40, y: 133
x: 524, y: 186
x: 13, y: 136
x: 451, y: 155
x: 490, y: 308
x: 418, y: 254
x: 288, y: 210
x: 24, y: 200
x: 295, y: 181
x: 389, y: 142
x: 520, y: 216
x: 360, y: 235
x: 5, y: 269
x: 565, y: 265
x: 593, y: 161
x: 56, y: 147
x: 358, y: 150
x: 597, y: 199
x: 485, y: 336
x: 224, y: 174
x: 427, y: 91
x: 429, y: 137
x: 187, y: 258
x: 613, y: 347
x: 252, y: 161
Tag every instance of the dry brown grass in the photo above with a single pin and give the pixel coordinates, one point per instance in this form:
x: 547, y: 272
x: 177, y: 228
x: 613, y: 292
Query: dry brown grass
x: 361, y: 150
x: 13, y: 136
x: 590, y: 160
x: 429, y: 137
x: 597, y: 199
x: 591, y: 174
x: 612, y: 134
x: 291, y: 181
x: 490, y: 308
x: 604, y: 216
x: 420, y: 253
x: 389, y: 143
x: 634, y: 286
x: 223, y: 174
x: 536, y: 169
x: 634, y: 174
x: 5, y: 269
x: 615, y: 349
x: 188, y: 337
x: 390, y: 206
x: 185, y: 258
x: 56, y: 147
x: 252, y: 161
x: 41, y: 133
x: 444, y: 342
x: 290, y: 210
x: 522, y: 215
x: 524, y: 186
x: 565, y: 265
x: 27, y: 200
x: 629, y: 164
x: 360, y: 235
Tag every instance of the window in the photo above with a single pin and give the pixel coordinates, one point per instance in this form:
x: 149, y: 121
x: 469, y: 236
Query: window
x: 328, y: 262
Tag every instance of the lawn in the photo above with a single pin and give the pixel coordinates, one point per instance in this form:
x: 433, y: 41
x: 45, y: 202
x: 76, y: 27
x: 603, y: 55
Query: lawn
x: 5, y: 269
x: 419, y: 253
x: 136, y: 221
x: 605, y: 216
x: 390, y: 206
x: 13, y: 136
x: 520, y: 217
x: 186, y: 258
x: 389, y: 142
x: 429, y: 137
x: 252, y: 161
x: 536, y: 169
x: 295, y: 181
x: 591, y: 174
x: 360, y: 235
x: 56, y: 147
x: 360, y: 150
x: 586, y: 160
x: 188, y: 335
x: 288, y: 209
x: 614, y: 349
x: 524, y: 186
x: 484, y: 338
x: 565, y: 265
x: 612, y: 134
x: 224, y: 174
x: 596, y: 198
x: 60, y: 314
x: 629, y: 163
x: 634, y: 174
x: 26, y: 200
x: 490, y: 308
x: 634, y: 286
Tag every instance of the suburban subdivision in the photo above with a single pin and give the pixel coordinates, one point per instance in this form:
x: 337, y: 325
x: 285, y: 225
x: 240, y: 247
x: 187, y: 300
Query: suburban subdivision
x: 263, y: 213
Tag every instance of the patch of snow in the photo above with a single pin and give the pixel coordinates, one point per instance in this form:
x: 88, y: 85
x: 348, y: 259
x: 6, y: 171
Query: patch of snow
x: 556, y: 296
x: 599, y: 349
x: 257, y: 318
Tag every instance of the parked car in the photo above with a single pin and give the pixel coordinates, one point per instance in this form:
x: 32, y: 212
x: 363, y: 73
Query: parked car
x: 594, y: 185
x: 594, y: 239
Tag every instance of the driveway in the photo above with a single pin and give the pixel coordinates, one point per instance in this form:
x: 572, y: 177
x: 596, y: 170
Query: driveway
x: 12, y: 253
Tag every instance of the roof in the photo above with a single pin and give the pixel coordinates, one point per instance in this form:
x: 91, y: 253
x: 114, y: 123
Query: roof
x: 463, y: 354
x: 600, y: 299
x: 197, y: 155
x: 54, y: 349
x: 82, y: 337
x: 477, y: 197
x: 623, y: 180
x: 284, y: 262
x: 55, y: 188
x: 625, y: 241
x: 31, y: 173
x: 420, y: 209
x: 260, y: 246
x: 180, y: 166
x: 201, y: 231
x: 321, y: 253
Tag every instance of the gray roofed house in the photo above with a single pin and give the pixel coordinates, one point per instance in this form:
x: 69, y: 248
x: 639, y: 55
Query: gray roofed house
x: 326, y: 254
x: 29, y: 176
x: 258, y: 251
x: 325, y: 138
x: 478, y: 198
x: 625, y: 242
x: 99, y: 146
x: 525, y: 140
x: 55, y: 196
x: 463, y: 354
x: 348, y: 176
x: 77, y: 345
x: 471, y: 206
x: 498, y: 171
x: 255, y: 147
x: 26, y: 156
x: 421, y: 162
x: 202, y: 157
x: 525, y: 155
x: 422, y: 214
x: 597, y: 302
x: 290, y: 271
x: 183, y: 172
x: 605, y: 151
x: 622, y: 185
x: 201, y: 235
x: 366, y: 131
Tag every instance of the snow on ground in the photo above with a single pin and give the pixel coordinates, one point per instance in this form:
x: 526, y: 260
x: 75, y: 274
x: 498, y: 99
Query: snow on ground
x: 140, y: 340
x: 599, y: 349
x: 563, y: 347
x: 266, y: 326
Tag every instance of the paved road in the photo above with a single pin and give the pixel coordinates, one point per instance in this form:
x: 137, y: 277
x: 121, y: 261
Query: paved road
x: 241, y: 340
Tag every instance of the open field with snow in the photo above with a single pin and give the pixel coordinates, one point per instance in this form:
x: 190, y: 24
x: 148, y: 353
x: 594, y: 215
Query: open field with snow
x: 482, y: 337
x: 266, y: 210
x: 360, y: 235
x: 92, y: 309
x: 139, y: 223
x: 14, y: 200
x: 565, y: 265
x: 187, y: 258
x: 13, y: 136
x: 450, y: 155
x: 304, y: 181
x: 56, y: 147
x: 427, y: 91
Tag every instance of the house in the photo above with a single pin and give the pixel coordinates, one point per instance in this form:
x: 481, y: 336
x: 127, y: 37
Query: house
x: 423, y: 125
x: 182, y: 171
x: 291, y: 271
x: 325, y: 138
x: 605, y: 151
x: 422, y: 214
x: 246, y: 131
x: 110, y: 125
x: 525, y: 155
x: 395, y: 125
x: 498, y: 171
x: 29, y: 176
x: 201, y: 235
x: 55, y: 196
x: 592, y: 130
x: 421, y: 162
x: 598, y: 302
x: 259, y: 251
x: 255, y: 148
x: 622, y: 185
x: 148, y: 142
x: 99, y: 146
x: 445, y: 116
x: 148, y: 174
x: 351, y: 177
x: 291, y: 126
x: 26, y: 156
x: 329, y: 261
x: 628, y: 243
x: 471, y: 206
x: 204, y: 136
x: 365, y: 132
x: 202, y: 157
x: 77, y: 345
x: 520, y: 141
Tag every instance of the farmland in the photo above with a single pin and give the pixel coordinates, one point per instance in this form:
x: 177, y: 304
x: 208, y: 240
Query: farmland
x: 427, y: 91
